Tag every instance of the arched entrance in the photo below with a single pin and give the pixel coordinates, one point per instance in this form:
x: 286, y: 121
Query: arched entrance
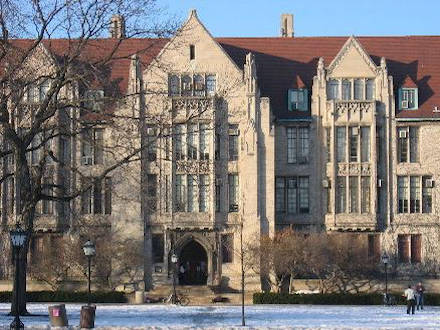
x: 193, y: 264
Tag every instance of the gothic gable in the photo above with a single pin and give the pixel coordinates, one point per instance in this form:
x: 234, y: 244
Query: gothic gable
x: 352, y: 61
x: 208, y: 54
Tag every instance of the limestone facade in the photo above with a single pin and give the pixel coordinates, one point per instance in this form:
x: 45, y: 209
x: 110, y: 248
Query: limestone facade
x: 226, y: 159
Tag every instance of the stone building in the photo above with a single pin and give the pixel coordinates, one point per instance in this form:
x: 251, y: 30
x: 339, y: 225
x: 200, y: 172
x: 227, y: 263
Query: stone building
x: 247, y: 136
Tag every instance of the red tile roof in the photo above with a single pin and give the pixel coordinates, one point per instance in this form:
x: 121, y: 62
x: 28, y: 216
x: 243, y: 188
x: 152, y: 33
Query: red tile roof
x: 408, y: 82
x: 284, y: 63
x: 280, y: 60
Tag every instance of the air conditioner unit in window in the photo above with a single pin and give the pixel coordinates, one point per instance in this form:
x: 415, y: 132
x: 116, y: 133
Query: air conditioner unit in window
x: 429, y: 183
x: 151, y: 131
x: 403, y: 134
x: 379, y: 183
x: 355, y: 131
x: 325, y: 184
x: 404, y: 104
x: 233, y: 131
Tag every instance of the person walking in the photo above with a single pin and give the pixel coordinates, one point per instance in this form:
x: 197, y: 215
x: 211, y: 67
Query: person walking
x: 420, y: 290
x: 410, y: 299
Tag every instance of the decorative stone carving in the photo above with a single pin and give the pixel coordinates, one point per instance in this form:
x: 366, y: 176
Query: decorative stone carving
x: 192, y: 104
x: 353, y: 106
x: 192, y: 166
x: 345, y: 169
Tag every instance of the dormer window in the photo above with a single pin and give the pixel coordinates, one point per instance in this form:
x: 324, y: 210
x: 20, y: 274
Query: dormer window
x: 298, y: 99
x: 408, y: 98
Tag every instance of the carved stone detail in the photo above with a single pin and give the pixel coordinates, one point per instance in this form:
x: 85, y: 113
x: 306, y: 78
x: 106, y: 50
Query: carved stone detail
x: 353, y: 106
x: 193, y: 104
x: 193, y: 166
x: 354, y: 169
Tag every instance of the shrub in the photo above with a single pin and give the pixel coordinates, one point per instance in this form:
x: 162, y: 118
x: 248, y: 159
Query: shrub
x: 68, y: 296
x: 334, y: 298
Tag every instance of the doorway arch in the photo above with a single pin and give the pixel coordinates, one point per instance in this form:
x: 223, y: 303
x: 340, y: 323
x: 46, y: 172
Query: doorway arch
x: 193, y: 264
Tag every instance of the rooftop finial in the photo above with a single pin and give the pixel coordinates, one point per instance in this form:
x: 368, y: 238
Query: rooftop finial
x: 192, y: 12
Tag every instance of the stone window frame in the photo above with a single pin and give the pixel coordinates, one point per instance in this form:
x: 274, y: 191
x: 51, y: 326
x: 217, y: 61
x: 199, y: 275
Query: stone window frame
x: 362, y: 150
x: 419, y: 186
x: 197, y: 84
x: 298, y: 144
x: 408, y: 142
x: 346, y: 190
x: 97, y: 199
x: 294, y: 191
x: 335, y: 90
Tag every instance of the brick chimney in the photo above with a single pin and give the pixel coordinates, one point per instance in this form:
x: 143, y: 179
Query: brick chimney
x: 286, y: 25
x: 117, y: 27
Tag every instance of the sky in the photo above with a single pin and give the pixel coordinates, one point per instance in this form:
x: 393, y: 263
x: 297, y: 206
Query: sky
x: 261, y: 18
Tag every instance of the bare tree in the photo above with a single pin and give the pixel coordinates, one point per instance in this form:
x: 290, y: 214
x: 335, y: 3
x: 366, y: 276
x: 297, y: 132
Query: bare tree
x: 44, y: 98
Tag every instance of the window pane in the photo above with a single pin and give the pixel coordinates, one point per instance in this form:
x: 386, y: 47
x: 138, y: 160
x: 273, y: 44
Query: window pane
x: 303, y: 145
x: 370, y: 89
x: 233, y: 193
x: 186, y: 86
x: 180, y: 193
x: 191, y: 195
x: 354, y: 138
x: 204, y: 193
x: 333, y: 89
x: 340, y: 143
x: 174, y: 85
x: 328, y: 143
x: 402, y: 147
x: 217, y: 196
x: 402, y: 194
x: 365, y: 144
x: 291, y: 144
x: 292, y: 195
x: 178, y: 142
x: 233, y: 142
x: 279, y: 195
x: 97, y: 197
x: 203, y: 142
x: 354, y: 194
x: 191, y: 141
x: 346, y: 89
x: 210, y: 84
x: 358, y: 89
x: 341, y: 200
x: 427, y: 194
x: 365, y: 201
x: 108, y: 195
x: 414, y: 194
x: 199, y: 85
x: 303, y: 195
x: 413, y: 144
x: 98, y: 146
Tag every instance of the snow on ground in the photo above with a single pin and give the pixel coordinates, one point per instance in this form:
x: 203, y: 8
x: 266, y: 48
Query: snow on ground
x: 221, y: 317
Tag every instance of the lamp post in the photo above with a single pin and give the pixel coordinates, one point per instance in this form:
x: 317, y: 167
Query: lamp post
x: 89, y: 251
x: 18, y: 239
x: 174, y: 262
x: 385, y: 260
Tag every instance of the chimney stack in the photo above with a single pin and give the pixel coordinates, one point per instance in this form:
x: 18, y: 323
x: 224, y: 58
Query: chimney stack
x: 117, y: 27
x: 286, y: 25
